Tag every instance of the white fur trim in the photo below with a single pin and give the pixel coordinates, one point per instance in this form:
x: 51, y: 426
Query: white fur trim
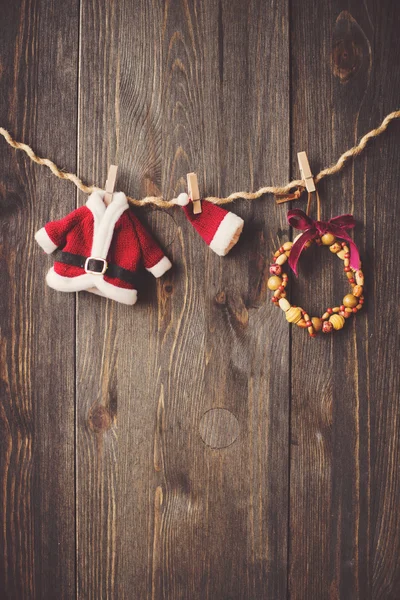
x: 69, y: 284
x: 161, y: 267
x: 88, y: 282
x: 44, y: 241
x: 105, y: 219
x: 96, y: 204
x: 118, y: 294
x: 181, y: 200
x: 222, y: 239
x: 94, y: 290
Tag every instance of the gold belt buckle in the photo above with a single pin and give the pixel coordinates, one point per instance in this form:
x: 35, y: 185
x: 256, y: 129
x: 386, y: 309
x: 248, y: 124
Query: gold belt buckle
x: 104, y: 269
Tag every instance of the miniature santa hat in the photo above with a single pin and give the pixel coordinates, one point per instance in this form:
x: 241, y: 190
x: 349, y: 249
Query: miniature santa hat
x: 219, y: 228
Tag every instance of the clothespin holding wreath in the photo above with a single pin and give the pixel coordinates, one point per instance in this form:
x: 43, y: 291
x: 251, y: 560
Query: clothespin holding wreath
x: 110, y: 184
x: 305, y: 171
x: 323, y: 233
x: 193, y: 191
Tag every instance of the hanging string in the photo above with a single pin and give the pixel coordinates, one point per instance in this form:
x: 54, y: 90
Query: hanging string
x: 309, y: 200
x: 282, y: 192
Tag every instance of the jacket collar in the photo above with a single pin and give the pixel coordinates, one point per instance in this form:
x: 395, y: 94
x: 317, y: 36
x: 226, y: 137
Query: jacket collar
x: 95, y: 202
x: 105, y: 218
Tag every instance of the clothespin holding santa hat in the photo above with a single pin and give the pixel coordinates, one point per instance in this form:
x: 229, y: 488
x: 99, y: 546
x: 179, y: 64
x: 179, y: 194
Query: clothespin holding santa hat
x: 110, y: 184
x: 193, y: 191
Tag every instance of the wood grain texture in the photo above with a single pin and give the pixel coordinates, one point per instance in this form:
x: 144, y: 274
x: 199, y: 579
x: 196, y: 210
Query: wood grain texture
x: 194, y: 446
x: 98, y: 321
x: 38, y: 93
x: 345, y: 390
x: 178, y: 102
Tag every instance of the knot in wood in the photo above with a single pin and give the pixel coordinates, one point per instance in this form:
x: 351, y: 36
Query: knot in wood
x: 100, y: 419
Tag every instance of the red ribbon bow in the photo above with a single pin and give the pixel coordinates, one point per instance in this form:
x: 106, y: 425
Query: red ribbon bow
x: 313, y: 229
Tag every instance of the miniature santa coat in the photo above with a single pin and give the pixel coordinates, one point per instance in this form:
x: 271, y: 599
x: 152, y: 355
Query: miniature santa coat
x: 103, y: 248
x: 219, y: 228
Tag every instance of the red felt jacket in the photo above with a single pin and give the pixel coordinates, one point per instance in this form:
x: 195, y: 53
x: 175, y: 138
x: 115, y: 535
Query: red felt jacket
x: 112, y: 234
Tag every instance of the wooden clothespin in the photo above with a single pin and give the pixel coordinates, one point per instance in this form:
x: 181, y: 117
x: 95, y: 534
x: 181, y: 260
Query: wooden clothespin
x: 193, y: 191
x: 110, y: 184
x: 305, y: 171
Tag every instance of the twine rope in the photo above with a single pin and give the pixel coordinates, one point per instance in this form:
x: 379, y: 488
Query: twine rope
x: 282, y: 193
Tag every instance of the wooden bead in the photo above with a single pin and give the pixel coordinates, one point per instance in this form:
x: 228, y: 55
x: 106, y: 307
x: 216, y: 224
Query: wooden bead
x: 325, y: 316
x: 359, y: 277
x: 317, y: 323
x: 327, y: 239
x: 336, y: 309
x: 357, y: 291
x: 302, y: 323
x: 293, y: 315
x: 287, y: 245
x: 341, y: 254
x: 359, y: 306
x: 349, y: 275
x: 281, y: 259
x: 350, y: 301
x: 277, y: 293
x: 274, y: 282
x: 284, y: 304
x: 346, y: 262
x: 311, y: 330
x: 275, y: 269
x: 335, y: 248
x: 337, y: 321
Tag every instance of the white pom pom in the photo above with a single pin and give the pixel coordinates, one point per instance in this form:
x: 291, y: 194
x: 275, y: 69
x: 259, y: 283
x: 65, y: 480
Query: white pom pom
x: 182, y: 199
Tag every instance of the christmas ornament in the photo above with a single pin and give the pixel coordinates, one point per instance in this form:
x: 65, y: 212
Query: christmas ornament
x: 323, y: 233
x: 219, y: 228
x: 103, y: 249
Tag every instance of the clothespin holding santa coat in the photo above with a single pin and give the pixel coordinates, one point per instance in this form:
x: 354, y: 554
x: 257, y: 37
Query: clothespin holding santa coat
x: 193, y: 191
x: 110, y: 184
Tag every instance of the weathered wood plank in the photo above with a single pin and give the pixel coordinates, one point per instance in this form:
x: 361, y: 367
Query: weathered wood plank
x: 98, y: 320
x: 345, y: 390
x: 38, y: 70
x: 207, y: 523
x: 199, y: 339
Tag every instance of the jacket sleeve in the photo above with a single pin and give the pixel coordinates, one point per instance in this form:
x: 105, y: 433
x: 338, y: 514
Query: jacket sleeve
x: 54, y: 234
x: 153, y: 257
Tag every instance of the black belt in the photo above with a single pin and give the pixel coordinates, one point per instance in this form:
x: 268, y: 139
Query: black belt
x: 98, y: 266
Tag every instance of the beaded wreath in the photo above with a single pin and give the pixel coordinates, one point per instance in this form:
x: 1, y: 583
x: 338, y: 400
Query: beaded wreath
x: 334, y: 318
x: 323, y: 233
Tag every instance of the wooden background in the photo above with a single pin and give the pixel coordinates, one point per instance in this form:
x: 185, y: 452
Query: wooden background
x: 194, y: 446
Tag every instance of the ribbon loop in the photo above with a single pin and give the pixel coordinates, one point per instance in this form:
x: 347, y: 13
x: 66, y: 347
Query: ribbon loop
x: 313, y: 229
x: 298, y: 219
